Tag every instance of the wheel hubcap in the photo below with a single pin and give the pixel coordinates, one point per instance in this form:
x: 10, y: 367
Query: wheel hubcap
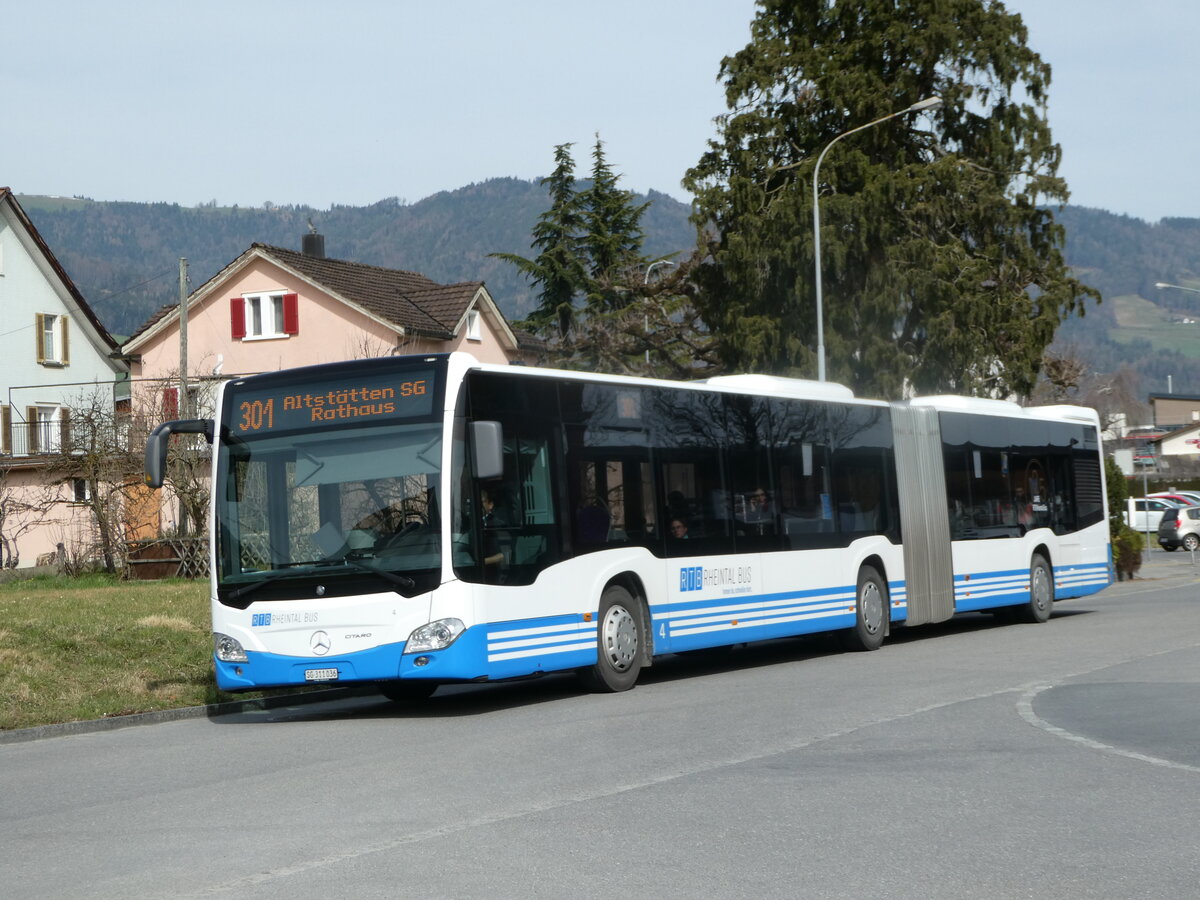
x: 870, y: 605
x: 1041, y: 591
x: 619, y: 634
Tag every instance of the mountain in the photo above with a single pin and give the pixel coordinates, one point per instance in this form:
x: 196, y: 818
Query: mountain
x: 124, y: 258
x: 1155, y: 331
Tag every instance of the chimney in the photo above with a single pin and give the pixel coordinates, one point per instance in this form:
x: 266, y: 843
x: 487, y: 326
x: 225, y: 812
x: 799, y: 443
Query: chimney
x: 313, y: 244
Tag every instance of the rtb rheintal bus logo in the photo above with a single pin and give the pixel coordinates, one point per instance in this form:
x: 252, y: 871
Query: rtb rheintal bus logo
x: 691, y: 578
x: 723, y: 579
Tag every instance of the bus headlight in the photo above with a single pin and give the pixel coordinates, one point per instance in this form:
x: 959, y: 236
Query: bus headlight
x: 228, y: 649
x: 435, y: 636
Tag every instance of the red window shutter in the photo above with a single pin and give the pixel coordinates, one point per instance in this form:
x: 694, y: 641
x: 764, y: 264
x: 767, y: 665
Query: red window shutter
x: 237, y: 317
x: 170, y: 403
x: 291, y: 313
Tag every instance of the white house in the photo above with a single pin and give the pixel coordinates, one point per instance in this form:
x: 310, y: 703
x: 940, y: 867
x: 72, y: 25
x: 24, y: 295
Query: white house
x: 53, y: 351
x: 1184, y: 442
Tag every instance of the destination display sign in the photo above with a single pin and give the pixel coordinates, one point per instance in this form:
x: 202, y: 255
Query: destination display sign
x: 360, y: 399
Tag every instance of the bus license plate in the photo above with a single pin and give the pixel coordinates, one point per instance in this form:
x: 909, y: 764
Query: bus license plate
x: 320, y: 674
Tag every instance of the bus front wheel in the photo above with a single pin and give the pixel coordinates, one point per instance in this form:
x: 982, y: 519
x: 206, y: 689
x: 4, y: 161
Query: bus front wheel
x: 871, y: 611
x: 620, y: 643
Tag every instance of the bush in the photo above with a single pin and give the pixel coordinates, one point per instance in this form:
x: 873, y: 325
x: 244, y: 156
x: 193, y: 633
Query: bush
x: 1127, y: 546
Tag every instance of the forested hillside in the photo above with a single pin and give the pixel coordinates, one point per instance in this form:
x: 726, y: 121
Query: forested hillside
x: 124, y: 258
x: 1136, y: 324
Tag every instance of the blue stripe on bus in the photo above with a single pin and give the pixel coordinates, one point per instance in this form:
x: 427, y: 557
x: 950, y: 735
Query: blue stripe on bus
x: 985, y: 590
x: 534, y: 645
x: 554, y: 643
x: 1081, y: 580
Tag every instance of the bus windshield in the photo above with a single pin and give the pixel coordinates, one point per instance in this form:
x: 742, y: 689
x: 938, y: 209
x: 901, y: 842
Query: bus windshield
x: 360, y: 502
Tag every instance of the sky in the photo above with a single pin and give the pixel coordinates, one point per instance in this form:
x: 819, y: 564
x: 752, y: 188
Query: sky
x: 354, y: 101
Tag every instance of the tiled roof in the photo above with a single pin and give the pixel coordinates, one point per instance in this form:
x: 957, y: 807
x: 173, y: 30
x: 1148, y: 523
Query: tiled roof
x: 158, y: 316
x: 6, y: 194
x: 408, y: 299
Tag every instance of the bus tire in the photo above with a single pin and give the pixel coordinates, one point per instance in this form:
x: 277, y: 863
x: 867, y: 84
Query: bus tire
x: 1041, y: 592
x: 620, y: 643
x: 407, y: 691
x: 870, y: 612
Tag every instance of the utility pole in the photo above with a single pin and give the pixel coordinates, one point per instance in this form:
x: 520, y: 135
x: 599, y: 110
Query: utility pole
x: 184, y: 411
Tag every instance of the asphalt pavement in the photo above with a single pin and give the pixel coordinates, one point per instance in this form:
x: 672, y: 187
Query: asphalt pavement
x: 1160, y: 568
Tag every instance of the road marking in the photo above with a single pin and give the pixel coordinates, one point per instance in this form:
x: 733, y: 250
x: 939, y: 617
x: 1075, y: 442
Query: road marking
x: 1025, y: 708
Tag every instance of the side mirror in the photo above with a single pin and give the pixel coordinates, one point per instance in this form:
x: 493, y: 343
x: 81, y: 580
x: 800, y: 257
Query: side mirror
x: 487, y: 443
x: 156, y: 445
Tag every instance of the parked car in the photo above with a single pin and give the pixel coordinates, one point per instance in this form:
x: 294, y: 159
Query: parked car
x: 1180, y: 528
x: 1183, y: 498
x: 1144, y: 513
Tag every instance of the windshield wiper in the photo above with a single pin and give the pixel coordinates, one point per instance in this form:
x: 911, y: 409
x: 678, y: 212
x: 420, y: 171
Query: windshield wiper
x: 352, y: 559
x: 255, y: 585
x: 399, y: 580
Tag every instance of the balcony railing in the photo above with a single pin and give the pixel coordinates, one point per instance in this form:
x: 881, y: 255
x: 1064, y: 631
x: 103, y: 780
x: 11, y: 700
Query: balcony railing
x: 33, y: 439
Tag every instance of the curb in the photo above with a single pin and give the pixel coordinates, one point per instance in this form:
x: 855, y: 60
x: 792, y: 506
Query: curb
x: 158, y: 716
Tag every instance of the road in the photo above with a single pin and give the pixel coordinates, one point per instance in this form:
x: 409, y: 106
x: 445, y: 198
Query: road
x: 969, y: 759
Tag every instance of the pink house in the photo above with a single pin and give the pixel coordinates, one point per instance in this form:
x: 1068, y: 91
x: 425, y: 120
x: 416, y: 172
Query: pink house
x: 273, y: 308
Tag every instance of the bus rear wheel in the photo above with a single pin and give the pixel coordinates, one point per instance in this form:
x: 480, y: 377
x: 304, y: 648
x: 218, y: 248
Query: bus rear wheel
x: 1041, y: 592
x: 620, y: 643
x: 870, y: 612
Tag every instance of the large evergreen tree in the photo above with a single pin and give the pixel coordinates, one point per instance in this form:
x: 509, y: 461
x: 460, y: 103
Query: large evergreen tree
x: 612, y: 236
x: 559, y: 269
x: 942, y: 266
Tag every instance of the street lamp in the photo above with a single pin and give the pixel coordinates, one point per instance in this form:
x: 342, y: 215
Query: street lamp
x: 919, y: 106
x: 646, y: 316
x: 1162, y: 285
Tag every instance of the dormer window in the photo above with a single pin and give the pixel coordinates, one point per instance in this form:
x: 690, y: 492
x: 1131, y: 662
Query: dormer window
x: 52, y: 343
x: 256, y: 316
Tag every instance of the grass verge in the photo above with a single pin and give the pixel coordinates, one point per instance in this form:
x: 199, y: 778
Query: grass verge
x: 87, y: 648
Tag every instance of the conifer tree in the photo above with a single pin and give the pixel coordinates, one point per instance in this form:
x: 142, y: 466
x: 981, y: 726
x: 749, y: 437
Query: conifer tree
x: 942, y: 265
x: 559, y: 268
x: 612, y: 236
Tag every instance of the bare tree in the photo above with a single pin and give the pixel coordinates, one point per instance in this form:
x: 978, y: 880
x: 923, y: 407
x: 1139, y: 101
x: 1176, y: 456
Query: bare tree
x: 657, y: 331
x: 22, y: 508
x: 187, y: 477
x: 97, y: 469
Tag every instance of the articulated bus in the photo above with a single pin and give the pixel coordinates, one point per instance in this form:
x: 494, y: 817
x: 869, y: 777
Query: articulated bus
x: 425, y: 520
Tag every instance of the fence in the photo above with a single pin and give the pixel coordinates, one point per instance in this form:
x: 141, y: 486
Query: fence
x: 169, y: 557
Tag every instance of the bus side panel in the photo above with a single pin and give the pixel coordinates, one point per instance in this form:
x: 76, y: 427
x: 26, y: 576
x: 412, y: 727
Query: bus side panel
x: 1090, y: 569
x: 991, y: 573
x: 715, y: 601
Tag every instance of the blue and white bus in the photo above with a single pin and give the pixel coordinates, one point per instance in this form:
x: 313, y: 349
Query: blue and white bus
x: 416, y: 521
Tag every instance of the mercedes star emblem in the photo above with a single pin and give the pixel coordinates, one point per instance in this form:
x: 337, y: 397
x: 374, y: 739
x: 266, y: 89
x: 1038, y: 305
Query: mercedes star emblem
x: 319, y: 643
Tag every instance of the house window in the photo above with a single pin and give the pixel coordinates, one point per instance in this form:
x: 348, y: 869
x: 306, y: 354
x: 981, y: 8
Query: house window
x: 52, y: 344
x: 42, y: 425
x: 264, y: 316
x: 81, y: 491
x: 474, y: 326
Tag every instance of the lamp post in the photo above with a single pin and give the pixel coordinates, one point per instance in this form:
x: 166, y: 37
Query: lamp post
x: 1162, y: 285
x: 919, y: 106
x: 645, y: 316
